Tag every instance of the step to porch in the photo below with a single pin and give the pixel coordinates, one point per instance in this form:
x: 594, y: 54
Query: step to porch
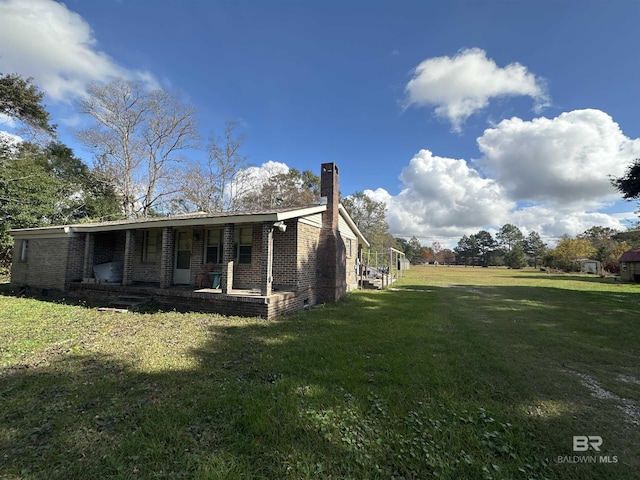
x: 126, y: 303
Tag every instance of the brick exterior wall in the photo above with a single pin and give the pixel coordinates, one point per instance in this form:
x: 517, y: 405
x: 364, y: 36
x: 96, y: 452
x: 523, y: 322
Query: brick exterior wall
x: 285, y: 265
x: 308, y: 239
x: 75, y: 264
x: 46, y: 263
x: 146, y: 271
x: 109, y: 247
x: 247, y: 275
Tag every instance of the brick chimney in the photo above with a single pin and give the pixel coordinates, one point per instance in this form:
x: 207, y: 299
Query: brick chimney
x: 331, y: 262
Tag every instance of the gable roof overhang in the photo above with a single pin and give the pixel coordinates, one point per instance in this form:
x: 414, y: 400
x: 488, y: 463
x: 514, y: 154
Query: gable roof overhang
x: 361, y: 240
x: 177, y: 221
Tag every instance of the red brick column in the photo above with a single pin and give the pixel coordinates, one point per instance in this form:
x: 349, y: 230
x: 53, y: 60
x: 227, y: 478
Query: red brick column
x: 166, y: 258
x: 226, y: 281
x: 89, y: 249
x: 129, y: 252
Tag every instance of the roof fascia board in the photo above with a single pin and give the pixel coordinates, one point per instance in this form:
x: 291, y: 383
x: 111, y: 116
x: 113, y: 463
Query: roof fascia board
x: 170, y: 222
x: 177, y: 223
x: 42, y: 232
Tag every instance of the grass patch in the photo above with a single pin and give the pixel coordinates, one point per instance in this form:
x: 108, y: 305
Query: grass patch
x: 457, y: 373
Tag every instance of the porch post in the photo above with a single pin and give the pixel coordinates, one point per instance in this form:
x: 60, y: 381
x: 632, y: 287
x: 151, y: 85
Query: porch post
x: 226, y: 281
x: 129, y: 252
x: 360, y: 266
x: 89, y: 249
x: 266, y: 276
x: 166, y: 258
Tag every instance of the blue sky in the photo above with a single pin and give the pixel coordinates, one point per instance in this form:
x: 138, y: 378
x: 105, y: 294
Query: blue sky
x: 460, y: 115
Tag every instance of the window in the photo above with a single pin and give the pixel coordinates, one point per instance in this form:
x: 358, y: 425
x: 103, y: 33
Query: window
x: 24, y: 250
x: 624, y: 266
x: 213, y: 250
x: 348, y: 247
x: 149, y: 246
x: 243, y: 239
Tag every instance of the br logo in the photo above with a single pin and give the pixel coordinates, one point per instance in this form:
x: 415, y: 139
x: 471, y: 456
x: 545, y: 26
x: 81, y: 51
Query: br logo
x: 582, y: 443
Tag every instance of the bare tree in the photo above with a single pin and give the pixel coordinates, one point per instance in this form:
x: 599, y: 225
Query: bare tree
x: 215, y: 185
x: 137, y: 138
x: 224, y: 152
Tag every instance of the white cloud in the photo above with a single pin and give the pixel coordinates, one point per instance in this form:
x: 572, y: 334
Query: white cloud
x: 553, y: 221
x: 461, y: 85
x: 443, y: 197
x: 565, y: 159
x: 45, y: 40
x: 252, y: 179
x: 546, y: 175
x: 258, y: 176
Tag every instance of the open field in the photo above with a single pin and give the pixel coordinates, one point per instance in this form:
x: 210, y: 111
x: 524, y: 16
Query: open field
x: 455, y: 373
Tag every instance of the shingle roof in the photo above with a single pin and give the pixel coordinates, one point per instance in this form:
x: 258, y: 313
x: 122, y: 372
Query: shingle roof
x: 631, y: 255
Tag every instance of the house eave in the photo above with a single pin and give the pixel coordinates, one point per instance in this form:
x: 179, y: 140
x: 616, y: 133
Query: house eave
x: 42, y: 232
x: 162, y: 222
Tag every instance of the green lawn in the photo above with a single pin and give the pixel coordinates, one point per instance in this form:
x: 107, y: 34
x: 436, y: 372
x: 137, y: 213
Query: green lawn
x: 455, y: 373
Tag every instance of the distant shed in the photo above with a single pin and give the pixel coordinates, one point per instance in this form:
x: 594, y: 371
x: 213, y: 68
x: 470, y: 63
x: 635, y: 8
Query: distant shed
x: 630, y: 266
x: 588, y: 265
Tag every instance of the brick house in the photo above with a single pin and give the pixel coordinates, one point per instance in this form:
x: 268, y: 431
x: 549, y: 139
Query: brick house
x: 630, y: 266
x: 263, y: 263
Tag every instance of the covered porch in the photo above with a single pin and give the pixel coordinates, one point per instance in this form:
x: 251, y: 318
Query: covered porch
x: 168, y: 263
x: 240, y: 256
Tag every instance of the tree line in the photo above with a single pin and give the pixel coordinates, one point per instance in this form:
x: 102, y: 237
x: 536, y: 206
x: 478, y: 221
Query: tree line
x: 512, y: 249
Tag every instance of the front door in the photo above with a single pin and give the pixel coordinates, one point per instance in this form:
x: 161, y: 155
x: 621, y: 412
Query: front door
x: 182, y: 267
